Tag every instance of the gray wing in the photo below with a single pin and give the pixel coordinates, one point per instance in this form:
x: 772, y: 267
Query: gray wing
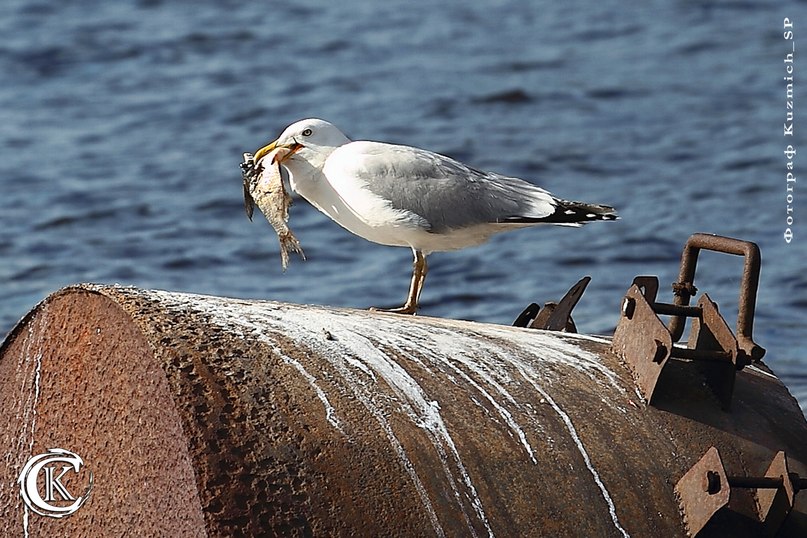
x: 446, y: 193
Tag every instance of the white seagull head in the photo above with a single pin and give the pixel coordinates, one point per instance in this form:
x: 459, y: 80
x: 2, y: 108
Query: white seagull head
x: 311, y: 141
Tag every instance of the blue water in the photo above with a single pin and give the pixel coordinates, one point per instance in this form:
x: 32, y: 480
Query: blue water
x: 123, y: 124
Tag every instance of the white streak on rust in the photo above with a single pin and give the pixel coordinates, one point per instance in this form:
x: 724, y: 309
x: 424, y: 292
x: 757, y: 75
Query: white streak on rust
x: 360, y: 390
x: 330, y: 413
x: 267, y: 329
x: 474, y: 366
x: 424, y: 412
x: 576, y: 438
x: 378, y: 355
x: 33, y: 354
x: 360, y: 366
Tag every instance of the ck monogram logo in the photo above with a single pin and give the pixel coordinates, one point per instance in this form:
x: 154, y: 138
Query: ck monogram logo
x: 53, y: 467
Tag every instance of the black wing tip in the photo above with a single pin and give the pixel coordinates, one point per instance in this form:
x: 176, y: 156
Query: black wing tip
x: 579, y: 212
x: 571, y: 213
x: 607, y: 213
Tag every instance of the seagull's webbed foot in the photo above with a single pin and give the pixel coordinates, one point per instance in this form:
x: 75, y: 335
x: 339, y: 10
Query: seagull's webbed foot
x: 405, y: 309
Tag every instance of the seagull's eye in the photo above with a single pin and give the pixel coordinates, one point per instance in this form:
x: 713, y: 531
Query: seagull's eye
x: 307, y: 132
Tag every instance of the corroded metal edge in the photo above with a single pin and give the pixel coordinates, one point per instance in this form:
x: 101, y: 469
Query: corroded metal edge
x: 97, y: 289
x: 78, y: 373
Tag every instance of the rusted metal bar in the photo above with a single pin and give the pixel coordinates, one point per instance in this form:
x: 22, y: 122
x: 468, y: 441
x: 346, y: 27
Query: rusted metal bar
x: 665, y: 309
x: 756, y: 482
x: 684, y: 289
x: 699, y: 355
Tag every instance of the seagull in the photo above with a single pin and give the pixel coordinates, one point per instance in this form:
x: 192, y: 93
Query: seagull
x: 404, y: 196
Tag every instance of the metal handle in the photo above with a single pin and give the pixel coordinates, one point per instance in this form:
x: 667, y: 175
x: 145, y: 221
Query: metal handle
x: 685, y: 288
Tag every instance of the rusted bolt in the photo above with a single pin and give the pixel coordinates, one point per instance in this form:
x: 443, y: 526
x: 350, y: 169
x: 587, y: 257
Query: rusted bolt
x: 684, y: 289
x: 754, y: 351
x: 628, y: 307
x: 799, y: 483
x: 712, y: 482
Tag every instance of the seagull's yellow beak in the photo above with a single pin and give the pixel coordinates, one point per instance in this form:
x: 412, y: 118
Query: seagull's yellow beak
x: 269, y: 148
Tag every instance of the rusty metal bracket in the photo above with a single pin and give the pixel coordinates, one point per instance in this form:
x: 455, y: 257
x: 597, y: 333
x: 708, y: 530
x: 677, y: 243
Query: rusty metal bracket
x: 527, y: 315
x: 706, y: 489
x: 685, y: 288
x: 716, y: 350
x: 700, y: 491
x: 642, y: 340
x: 554, y: 316
x: 645, y: 343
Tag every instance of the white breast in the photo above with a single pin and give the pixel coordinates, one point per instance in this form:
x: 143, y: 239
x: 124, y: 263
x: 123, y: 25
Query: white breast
x: 354, y: 208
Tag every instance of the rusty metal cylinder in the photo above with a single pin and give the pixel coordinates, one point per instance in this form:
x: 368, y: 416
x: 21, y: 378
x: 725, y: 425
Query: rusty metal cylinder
x: 205, y: 416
